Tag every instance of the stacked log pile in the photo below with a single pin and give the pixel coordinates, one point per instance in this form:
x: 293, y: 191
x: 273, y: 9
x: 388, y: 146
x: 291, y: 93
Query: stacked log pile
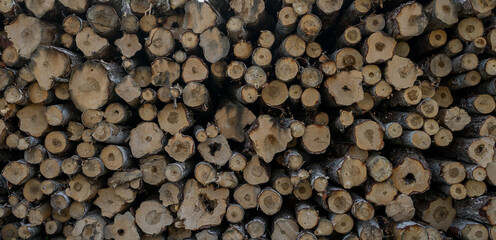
x: 247, y: 119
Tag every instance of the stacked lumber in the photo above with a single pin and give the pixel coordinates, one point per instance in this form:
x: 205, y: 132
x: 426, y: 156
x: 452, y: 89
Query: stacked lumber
x: 247, y: 119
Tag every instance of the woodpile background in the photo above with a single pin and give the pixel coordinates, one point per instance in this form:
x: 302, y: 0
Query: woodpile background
x: 247, y: 119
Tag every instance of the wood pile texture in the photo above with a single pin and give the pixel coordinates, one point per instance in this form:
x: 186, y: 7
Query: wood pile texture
x: 248, y: 119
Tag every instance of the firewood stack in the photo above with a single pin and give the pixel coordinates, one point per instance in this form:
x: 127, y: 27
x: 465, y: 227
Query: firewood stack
x: 247, y: 119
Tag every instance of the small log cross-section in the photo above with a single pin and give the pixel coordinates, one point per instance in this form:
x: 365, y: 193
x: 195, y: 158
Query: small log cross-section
x: 27, y: 33
x: 367, y: 135
x: 316, y: 138
x: 90, y: 84
x: 232, y: 118
x: 180, y: 147
x: 346, y: 171
x: 199, y: 16
x: 152, y: 217
x: 268, y: 137
x: 411, y: 173
x: 52, y: 63
x: 109, y: 202
x: 436, y: 210
x: 123, y: 227
x: 174, y: 118
x: 202, y: 207
x: 401, y: 72
x: 407, y: 21
x: 215, y: 44
x: 146, y: 139
x: 345, y: 87
x: 215, y: 150
x: 401, y: 208
x: 94, y: 223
